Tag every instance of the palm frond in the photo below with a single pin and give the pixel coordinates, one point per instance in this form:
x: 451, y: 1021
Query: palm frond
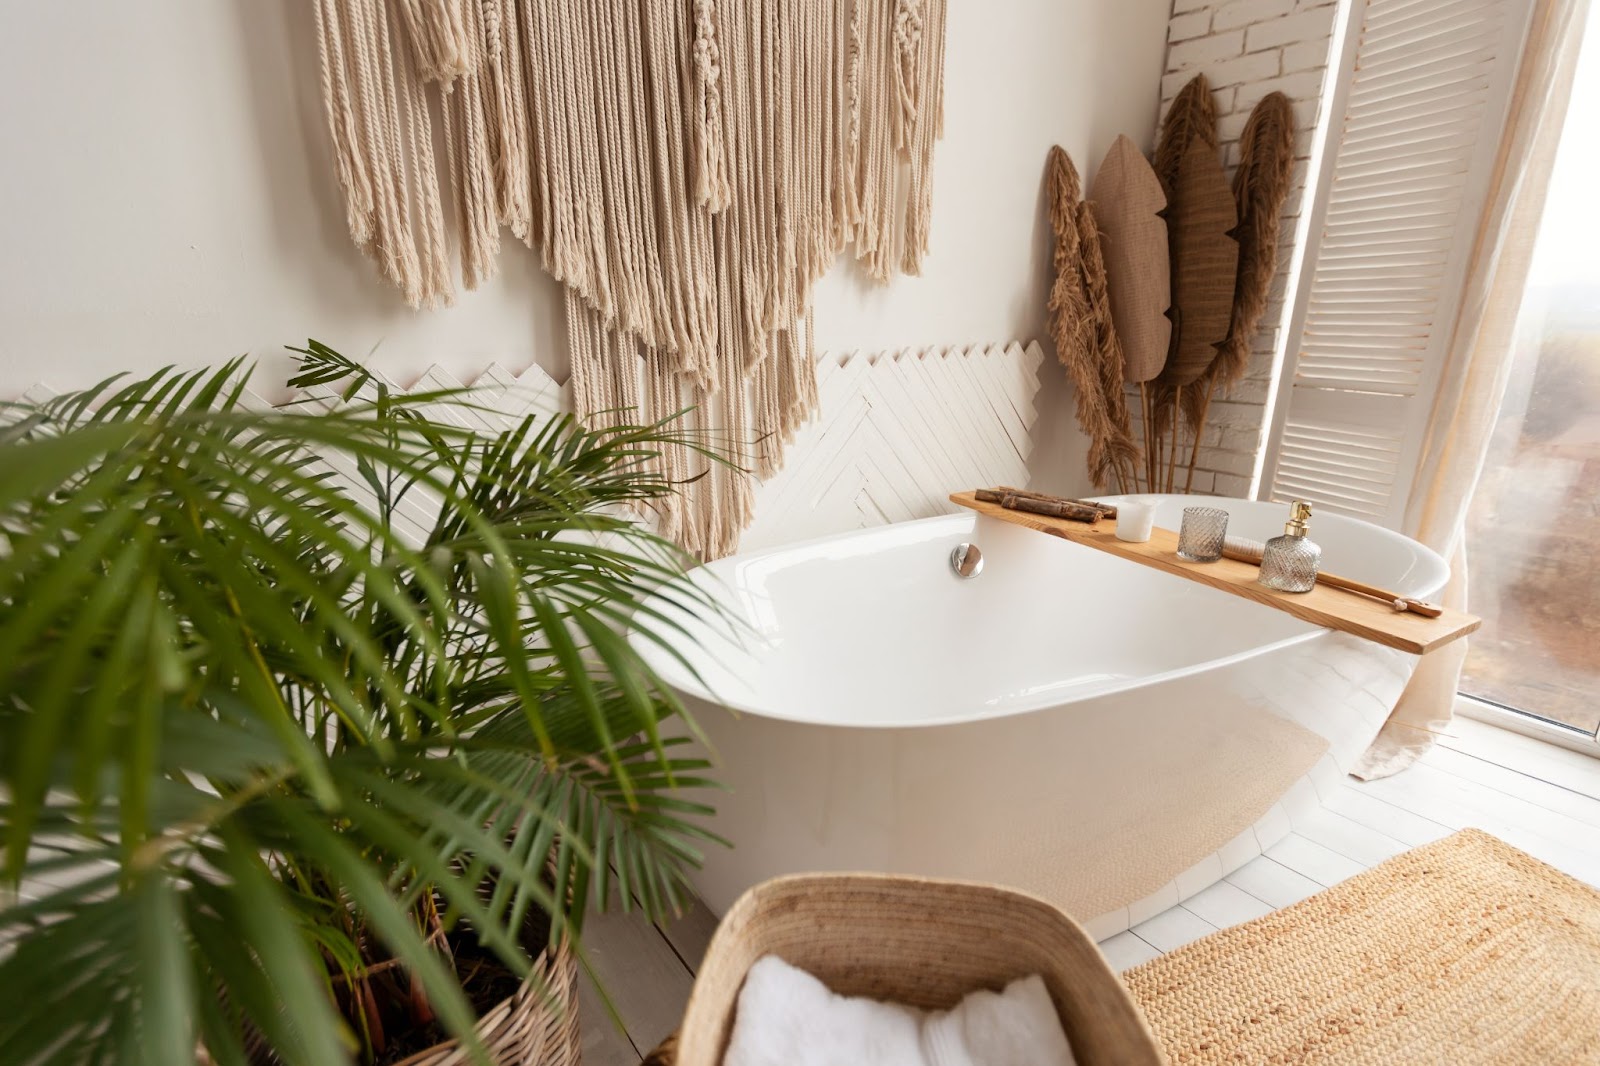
x: 251, y: 729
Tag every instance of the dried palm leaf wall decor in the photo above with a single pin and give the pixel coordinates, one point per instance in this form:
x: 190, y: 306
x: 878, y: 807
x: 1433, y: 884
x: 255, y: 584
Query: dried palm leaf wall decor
x: 1188, y: 166
x: 687, y: 168
x: 1082, y: 327
x: 1128, y: 206
x: 1119, y: 454
x: 1260, y: 187
x: 1201, y: 216
x: 1192, y: 119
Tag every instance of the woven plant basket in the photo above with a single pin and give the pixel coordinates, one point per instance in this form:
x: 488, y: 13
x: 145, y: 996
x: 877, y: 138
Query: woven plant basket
x: 920, y: 942
x: 537, y: 1026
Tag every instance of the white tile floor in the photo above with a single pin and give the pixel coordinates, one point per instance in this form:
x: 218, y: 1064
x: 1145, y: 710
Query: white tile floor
x: 1540, y: 798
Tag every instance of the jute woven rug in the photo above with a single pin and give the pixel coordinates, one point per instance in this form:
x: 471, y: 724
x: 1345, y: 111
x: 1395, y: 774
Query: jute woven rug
x: 1463, y: 951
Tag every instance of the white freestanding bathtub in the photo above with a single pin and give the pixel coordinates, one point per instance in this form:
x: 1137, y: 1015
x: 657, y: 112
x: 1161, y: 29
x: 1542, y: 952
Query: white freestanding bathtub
x: 1088, y: 729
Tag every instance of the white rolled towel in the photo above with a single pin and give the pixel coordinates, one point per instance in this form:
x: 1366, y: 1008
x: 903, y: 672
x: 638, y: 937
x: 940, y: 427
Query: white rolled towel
x: 1016, y: 1027
x: 786, y: 1017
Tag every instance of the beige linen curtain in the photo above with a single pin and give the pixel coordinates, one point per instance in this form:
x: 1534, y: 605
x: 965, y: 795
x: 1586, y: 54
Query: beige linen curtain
x: 1474, y: 379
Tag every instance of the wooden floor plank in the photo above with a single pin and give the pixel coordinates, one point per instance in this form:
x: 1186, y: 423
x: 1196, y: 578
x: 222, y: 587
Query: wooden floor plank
x: 1125, y: 951
x: 1459, y: 803
x: 1575, y: 770
x: 603, y: 1043
x: 1363, y: 844
x: 1172, y: 929
x: 1272, y: 882
x: 1310, y: 859
x: 646, y: 980
x: 1368, y: 810
x: 690, y: 934
x: 1522, y: 785
x: 1225, y: 905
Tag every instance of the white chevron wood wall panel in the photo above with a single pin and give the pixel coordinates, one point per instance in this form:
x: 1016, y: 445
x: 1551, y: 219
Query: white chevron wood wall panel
x: 895, y: 433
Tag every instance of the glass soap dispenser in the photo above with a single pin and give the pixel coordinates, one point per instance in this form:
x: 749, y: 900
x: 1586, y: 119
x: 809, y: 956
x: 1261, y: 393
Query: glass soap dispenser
x: 1289, y: 563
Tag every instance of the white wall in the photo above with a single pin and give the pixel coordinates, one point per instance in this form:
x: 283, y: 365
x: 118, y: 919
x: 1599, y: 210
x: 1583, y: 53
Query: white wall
x: 166, y: 197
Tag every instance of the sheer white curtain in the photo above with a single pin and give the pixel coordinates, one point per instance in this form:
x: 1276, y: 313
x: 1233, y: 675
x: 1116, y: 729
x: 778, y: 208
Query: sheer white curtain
x: 1474, y: 375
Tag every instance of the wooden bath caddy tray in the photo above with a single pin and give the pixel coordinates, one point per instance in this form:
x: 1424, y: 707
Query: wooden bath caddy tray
x: 1324, y: 605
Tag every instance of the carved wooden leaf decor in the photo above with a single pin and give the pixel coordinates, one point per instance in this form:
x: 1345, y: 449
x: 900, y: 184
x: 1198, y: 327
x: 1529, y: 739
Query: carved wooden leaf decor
x: 1127, y: 202
x: 1205, y: 259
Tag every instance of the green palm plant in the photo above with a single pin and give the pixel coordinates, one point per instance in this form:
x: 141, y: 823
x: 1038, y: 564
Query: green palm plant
x: 256, y: 738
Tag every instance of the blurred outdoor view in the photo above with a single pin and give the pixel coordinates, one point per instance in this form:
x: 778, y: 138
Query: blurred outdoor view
x: 1534, y: 532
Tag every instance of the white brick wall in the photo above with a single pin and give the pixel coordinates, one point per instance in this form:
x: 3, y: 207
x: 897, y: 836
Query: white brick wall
x: 1248, y: 48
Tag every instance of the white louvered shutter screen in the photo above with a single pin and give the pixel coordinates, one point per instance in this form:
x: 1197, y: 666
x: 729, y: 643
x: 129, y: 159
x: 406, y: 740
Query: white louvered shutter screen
x: 1404, y: 182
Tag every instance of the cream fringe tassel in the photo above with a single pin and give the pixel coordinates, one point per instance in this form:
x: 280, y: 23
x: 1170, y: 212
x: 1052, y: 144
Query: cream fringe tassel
x: 687, y: 168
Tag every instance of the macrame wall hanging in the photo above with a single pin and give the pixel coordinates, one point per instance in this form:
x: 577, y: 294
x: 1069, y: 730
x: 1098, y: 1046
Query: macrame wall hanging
x: 687, y: 168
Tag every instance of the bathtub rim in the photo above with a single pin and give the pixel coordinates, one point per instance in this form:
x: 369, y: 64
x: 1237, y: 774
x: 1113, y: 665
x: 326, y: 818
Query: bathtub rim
x: 676, y: 675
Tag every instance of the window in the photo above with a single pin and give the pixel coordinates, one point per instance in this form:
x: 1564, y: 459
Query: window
x: 1534, y: 528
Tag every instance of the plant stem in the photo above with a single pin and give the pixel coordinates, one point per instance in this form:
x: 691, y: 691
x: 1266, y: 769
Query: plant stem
x: 1149, y: 441
x: 1199, y: 427
x: 1172, y: 445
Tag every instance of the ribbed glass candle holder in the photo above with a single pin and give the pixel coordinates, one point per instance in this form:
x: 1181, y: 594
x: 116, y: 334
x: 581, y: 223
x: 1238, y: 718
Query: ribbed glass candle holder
x: 1202, y: 533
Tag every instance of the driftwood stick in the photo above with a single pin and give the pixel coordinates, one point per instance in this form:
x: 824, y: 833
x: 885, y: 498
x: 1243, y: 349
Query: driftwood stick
x: 999, y: 492
x: 1075, y: 512
x: 1068, y: 509
x: 1039, y: 503
x: 1104, y: 508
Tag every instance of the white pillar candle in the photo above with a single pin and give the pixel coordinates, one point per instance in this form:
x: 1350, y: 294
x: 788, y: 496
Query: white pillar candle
x: 1135, y: 520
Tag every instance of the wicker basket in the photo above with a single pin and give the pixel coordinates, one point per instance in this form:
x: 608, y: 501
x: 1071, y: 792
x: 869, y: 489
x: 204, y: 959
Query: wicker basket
x: 537, y: 1026
x: 920, y: 942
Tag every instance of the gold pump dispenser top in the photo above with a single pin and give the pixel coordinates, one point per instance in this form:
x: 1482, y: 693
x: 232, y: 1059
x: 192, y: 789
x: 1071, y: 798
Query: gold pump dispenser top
x: 1299, y: 511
